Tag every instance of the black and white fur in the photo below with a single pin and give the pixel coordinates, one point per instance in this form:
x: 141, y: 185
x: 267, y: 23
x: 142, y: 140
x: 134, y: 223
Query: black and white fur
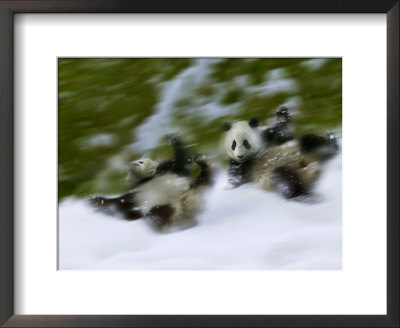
x: 284, y: 168
x: 320, y: 147
x: 282, y: 131
x: 166, y: 197
x: 144, y: 169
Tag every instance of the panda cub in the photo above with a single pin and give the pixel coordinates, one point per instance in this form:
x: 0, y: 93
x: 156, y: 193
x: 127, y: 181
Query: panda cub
x: 284, y: 168
x: 162, y: 195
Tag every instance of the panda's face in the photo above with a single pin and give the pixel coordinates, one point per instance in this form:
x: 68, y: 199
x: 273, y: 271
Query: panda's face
x: 242, y: 141
x: 142, y: 168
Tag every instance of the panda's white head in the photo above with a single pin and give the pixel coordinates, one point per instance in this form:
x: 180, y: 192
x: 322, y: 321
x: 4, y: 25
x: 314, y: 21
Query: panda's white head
x: 142, y: 168
x: 242, y: 140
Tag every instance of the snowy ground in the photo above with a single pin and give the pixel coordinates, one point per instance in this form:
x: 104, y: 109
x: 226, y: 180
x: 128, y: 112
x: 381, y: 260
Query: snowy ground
x: 244, y: 228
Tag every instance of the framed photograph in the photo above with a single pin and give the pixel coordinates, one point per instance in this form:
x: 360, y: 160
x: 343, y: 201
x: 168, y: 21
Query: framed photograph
x: 217, y: 164
x: 176, y: 187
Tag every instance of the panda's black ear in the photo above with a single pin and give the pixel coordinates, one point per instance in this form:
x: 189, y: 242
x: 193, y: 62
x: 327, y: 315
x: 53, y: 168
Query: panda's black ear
x: 253, y: 122
x: 226, y: 126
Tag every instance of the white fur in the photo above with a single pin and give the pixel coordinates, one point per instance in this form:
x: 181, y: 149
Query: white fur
x: 170, y: 189
x: 162, y: 190
x: 141, y: 168
x: 289, y: 156
x: 239, y: 132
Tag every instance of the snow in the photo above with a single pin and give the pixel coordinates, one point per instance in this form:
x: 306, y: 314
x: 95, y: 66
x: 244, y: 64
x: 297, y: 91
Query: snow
x: 242, y: 228
x: 315, y: 63
x: 274, y: 83
x: 103, y: 139
x: 184, y: 83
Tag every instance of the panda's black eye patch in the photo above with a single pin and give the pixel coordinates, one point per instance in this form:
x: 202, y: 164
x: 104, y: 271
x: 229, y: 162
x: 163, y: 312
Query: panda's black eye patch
x: 234, y: 145
x: 246, y: 144
x: 140, y: 162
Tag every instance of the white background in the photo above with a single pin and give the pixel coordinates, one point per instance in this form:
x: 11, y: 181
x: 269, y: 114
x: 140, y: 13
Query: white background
x: 360, y: 288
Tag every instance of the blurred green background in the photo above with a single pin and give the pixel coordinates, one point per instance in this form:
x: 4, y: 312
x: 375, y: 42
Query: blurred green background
x: 114, y: 110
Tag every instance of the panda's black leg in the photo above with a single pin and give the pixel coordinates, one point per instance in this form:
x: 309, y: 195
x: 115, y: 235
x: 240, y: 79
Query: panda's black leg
x: 287, y: 183
x: 160, y: 216
x: 182, y: 157
x: 278, y: 134
x: 310, y: 142
x: 322, y: 147
x: 235, y: 176
x: 123, y: 204
x: 181, y: 163
x: 239, y: 173
x: 165, y: 167
x: 205, y: 176
x: 268, y: 135
x: 102, y: 204
x: 128, y: 207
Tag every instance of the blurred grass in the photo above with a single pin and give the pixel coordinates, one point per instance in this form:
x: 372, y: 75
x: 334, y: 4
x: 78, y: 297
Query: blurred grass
x: 102, y: 101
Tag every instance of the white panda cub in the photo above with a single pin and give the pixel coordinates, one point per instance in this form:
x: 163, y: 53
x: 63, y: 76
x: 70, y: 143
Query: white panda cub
x: 279, y: 168
x: 165, y: 200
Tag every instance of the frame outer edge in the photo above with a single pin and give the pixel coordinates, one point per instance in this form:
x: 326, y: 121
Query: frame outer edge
x: 203, y: 6
x: 6, y: 165
x: 7, y: 189
x: 393, y: 147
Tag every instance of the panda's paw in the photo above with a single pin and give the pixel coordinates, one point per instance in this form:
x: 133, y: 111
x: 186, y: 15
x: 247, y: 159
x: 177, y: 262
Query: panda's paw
x: 234, y: 182
x: 99, y: 203
x: 95, y: 200
x: 172, y: 138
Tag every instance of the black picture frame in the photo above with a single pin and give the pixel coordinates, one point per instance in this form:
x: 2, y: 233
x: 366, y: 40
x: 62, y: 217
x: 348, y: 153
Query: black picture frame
x: 10, y: 7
